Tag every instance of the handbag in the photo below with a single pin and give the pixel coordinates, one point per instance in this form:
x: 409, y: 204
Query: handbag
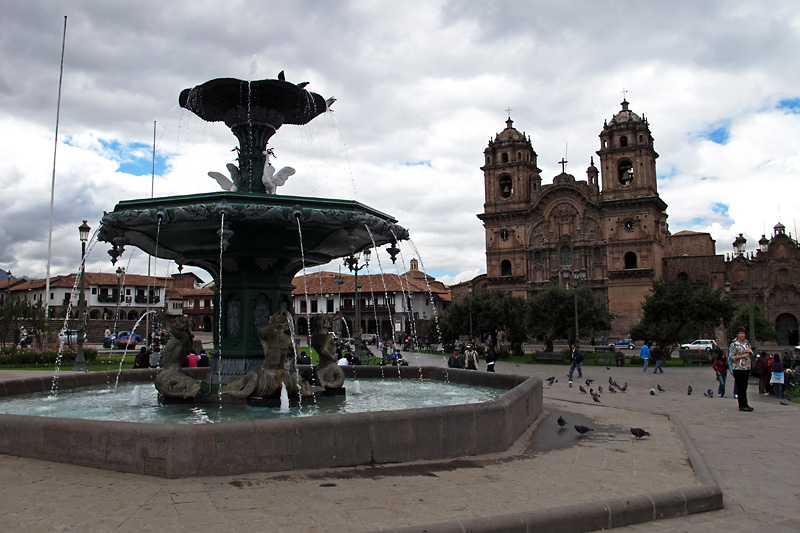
x: 777, y: 377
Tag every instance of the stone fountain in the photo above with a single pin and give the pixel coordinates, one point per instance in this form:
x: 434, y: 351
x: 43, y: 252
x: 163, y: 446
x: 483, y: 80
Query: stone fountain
x: 248, y: 239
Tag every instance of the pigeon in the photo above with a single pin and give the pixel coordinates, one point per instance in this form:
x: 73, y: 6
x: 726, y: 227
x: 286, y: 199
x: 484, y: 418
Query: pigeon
x: 600, y: 390
x: 709, y: 393
x: 588, y: 381
x: 689, y: 390
x: 639, y: 433
x: 570, y: 384
x: 784, y: 403
x: 624, y: 387
x: 612, y: 390
x: 561, y: 421
x: 550, y: 380
x: 608, y: 368
x: 660, y: 388
x: 596, y: 398
x: 591, y: 391
x: 583, y: 430
x: 610, y: 381
x: 652, y: 392
x: 582, y: 389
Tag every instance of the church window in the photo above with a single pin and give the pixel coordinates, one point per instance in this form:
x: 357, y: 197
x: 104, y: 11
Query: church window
x: 623, y: 141
x: 625, y: 172
x: 519, y: 156
x: 630, y: 260
x: 506, y: 186
x: 641, y: 139
x: 566, y: 256
x: 683, y: 276
x: 537, y: 257
x: 505, y: 157
x: 598, y: 254
x: 488, y: 160
x: 505, y: 268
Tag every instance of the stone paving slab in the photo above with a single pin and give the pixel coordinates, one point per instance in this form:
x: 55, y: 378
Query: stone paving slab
x: 547, y: 469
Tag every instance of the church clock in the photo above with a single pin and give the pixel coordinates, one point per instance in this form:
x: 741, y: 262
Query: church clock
x: 628, y: 224
x: 504, y: 234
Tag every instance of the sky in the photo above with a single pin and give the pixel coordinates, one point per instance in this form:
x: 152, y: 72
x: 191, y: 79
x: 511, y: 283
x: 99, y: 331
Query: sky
x: 421, y: 88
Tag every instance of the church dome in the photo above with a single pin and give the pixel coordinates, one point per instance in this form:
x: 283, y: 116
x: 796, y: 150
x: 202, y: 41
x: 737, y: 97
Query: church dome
x: 626, y: 115
x: 510, y: 133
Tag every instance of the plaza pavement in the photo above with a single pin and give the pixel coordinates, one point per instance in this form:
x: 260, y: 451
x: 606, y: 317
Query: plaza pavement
x: 750, y: 455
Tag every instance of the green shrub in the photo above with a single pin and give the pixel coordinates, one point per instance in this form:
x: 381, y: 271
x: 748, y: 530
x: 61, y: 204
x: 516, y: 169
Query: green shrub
x: 12, y: 356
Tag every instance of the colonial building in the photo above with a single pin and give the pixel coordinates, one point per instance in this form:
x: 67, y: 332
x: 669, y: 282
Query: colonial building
x: 609, y: 232
x: 391, y: 305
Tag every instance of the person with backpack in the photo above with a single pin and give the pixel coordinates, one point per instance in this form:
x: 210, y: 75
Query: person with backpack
x: 471, y: 358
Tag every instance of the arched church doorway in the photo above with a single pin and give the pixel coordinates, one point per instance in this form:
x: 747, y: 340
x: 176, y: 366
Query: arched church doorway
x: 786, y: 328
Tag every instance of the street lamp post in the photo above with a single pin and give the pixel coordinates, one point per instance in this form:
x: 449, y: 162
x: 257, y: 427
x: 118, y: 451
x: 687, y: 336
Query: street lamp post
x: 80, y: 360
x: 571, y: 278
x: 469, y: 287
x: 352, y: 264
x: 739, y: 246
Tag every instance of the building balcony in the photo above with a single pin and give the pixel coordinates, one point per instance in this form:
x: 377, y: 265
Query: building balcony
x: 141, y: 299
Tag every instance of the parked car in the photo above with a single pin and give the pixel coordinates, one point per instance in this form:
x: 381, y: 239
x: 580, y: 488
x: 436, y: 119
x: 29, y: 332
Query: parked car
x: 622, y: 343
x: 366, y: 337
x: 700, y: 345
x: 125, y: 336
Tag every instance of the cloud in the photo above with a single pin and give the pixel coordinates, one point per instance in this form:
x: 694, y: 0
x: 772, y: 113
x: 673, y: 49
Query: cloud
x: 420, y: 92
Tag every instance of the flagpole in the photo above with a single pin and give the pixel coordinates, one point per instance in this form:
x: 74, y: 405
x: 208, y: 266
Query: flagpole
x: 53, y: 182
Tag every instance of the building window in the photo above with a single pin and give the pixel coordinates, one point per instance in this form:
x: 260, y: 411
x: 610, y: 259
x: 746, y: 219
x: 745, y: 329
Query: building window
x: 505, y: 157
x: 505, y: 268
x: 519, y: 156
x: 598, y: 254
x: 566, y: 256
x: 537, y: 257
x: 313, y: 306
x: 329, y: 306
x: 630, y: 260
x: 303, y: 306
x: 506, y: 186
x: 94, y: 290
x: 623, y: 141
x: 488, y: 160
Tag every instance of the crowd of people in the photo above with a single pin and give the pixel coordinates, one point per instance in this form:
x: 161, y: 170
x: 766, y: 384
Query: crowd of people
x: 466, y: 356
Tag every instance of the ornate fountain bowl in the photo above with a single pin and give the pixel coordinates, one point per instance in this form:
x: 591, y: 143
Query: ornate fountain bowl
x: 232, y: 101
x: 251, y: 243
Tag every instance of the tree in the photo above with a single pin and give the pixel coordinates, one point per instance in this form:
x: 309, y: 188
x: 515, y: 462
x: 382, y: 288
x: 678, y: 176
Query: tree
x: 551, y: 314
x: 676, y: 311
x: 764, y: 330
x: 492, y: 312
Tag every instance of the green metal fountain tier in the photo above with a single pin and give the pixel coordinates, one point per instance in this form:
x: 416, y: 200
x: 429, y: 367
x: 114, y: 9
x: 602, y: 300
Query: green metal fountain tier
x: 256, y: 237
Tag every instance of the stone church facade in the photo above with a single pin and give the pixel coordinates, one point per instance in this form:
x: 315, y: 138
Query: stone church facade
x: 608, y: 232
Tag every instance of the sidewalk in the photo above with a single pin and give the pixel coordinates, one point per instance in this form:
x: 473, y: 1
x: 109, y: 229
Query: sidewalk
x: 546, y: 468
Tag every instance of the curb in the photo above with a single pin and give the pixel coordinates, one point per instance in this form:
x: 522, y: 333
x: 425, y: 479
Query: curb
x: 594, y: 516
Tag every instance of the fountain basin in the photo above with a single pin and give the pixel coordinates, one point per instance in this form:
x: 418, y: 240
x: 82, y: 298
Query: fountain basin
x: 176, y: 451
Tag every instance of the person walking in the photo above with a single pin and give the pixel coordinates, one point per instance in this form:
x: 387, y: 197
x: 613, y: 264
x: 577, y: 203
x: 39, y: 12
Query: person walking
x: 763, y: 373
x: 720, y: 367
x: 739, y: 356
x: 777, y: 376
x: 576, y: 358
x: 657, y: 354
x: 644, y: 353
x: 490, y: 357
x: 471, y: 358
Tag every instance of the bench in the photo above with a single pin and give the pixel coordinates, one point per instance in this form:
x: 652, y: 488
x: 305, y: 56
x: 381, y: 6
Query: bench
x: 549, y: 357
x: 604, y: 356
x: 697, y: 358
